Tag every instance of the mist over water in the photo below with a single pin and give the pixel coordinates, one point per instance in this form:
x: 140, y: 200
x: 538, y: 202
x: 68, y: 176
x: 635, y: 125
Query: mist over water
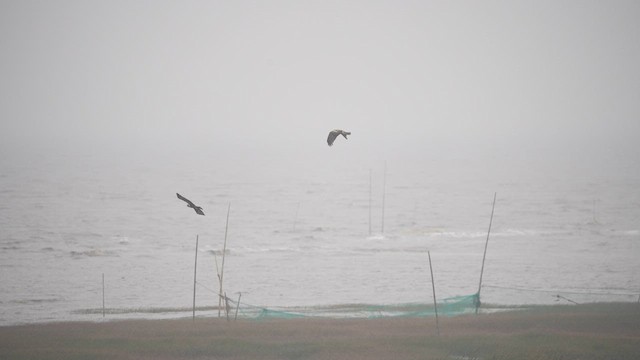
x: 299, y: 233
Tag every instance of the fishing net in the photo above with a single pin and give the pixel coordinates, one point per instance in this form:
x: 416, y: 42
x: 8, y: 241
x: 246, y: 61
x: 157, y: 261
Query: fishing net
x: 447, y: 307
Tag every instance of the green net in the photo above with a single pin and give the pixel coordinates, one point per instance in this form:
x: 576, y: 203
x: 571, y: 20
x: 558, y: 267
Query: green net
x: 447, y: 307
x: 276, y: 314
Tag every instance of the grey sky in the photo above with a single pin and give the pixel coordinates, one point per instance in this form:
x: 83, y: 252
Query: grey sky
x: 505, y: 76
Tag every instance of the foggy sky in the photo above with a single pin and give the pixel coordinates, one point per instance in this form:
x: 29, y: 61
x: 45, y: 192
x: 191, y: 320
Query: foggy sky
x: 406, y: 77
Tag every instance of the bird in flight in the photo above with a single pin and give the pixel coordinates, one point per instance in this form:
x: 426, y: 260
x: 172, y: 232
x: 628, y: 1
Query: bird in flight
x: 197, y: 209
x: 334, y: 134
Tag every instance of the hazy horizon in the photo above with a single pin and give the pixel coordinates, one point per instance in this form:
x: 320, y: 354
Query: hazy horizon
x: 497, y: 81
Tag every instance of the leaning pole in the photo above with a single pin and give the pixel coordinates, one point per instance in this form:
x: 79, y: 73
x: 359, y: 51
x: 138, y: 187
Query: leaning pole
x: 224, y: 251
x: 433, y: 287
x: 484, y: 256
x: 195, y: 269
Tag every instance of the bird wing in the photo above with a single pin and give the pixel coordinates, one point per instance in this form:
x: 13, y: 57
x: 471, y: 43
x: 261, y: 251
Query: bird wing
x: 198, y: 210
x: 332, y: 137
x: 185, y: 200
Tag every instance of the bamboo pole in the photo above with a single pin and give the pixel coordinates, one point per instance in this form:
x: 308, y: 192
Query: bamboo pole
x: 215, y: 258
x: 224, y: 251
x: 485, y: 254
x: 103, y: 312
x: 226, y: 305
x: 195, y: 269
x: 370, y: 178
x: 384, y: 189
x: 433, y: 287
x: 237, y: 307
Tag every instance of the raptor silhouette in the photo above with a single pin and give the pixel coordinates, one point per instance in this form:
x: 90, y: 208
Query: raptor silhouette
x: 196, y: 208
x: 334, y: 134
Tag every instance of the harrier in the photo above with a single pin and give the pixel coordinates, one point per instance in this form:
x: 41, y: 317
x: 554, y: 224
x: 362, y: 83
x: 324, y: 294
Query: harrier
x: 334, y: 134
x: 197, y: 209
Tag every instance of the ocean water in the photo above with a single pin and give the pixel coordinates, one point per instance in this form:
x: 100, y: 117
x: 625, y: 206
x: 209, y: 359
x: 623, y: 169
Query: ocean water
x: 299, y: 234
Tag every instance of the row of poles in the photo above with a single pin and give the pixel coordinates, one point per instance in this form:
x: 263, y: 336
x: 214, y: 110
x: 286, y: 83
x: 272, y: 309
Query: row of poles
x: 477, y: 297
x: 220, y: 270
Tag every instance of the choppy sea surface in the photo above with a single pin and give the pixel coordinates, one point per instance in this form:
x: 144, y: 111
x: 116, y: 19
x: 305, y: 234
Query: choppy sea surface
x: 304, y: 235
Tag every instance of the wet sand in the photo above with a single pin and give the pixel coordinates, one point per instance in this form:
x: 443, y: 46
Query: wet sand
x: 591, y: 331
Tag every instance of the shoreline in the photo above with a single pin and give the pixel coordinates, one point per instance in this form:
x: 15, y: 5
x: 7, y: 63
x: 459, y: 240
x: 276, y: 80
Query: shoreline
x: 329, y: 312
x: 544, y: 332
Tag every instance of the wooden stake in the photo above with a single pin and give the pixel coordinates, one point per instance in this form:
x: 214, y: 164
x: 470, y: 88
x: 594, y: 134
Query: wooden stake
x: 224, y: 251
x: 485, y: 253
x: 215, y: 258
x: 237, y: 307
x: 195, y: 269
x: 384, y: 188
x: 370, y: 176
x: 226, y: 305
x: 103, y: 312
x: 433, y: 286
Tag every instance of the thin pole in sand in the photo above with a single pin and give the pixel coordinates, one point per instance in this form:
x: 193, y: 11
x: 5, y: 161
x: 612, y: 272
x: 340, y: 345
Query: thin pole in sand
x: 224, y: 251
x: 215, y: 258
x: 384, y: 188
x: 195, y: 268
x: 485, y: 253
x: 103, y: 312
x: 370, y: 177
x: 433, y: 286
x: 226, y: 305
x: 237, y: 307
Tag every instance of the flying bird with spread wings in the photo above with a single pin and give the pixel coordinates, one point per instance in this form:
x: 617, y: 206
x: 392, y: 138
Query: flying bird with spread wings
x: 334, y: 134
x: 197, y: 209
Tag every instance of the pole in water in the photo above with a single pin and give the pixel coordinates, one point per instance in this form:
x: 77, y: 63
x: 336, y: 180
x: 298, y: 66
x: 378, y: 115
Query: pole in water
x: 226, y: 305
x: 224, y: 251
x: 485, y: 253
x: 215, y: 258
x: 384, y: 189
x: 433, y: 286
x: 195, y: 268
x: 103, y: 312
x: 370, y: 176
x: 237, y: 307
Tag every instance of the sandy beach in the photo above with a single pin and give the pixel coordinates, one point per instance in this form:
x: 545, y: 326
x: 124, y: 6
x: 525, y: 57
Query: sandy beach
x: 592, y: 331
